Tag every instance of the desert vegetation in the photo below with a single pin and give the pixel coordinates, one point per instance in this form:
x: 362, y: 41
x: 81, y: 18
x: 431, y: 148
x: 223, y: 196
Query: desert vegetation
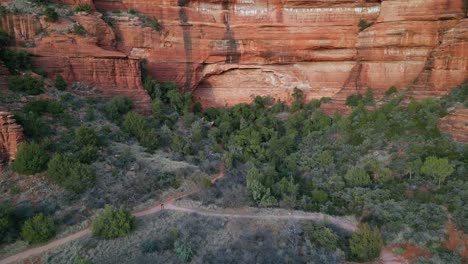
x: 88, y: 160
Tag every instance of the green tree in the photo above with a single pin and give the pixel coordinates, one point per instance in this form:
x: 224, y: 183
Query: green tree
x: 60, y: 83
x: 31, y: 158
x: 175, y: 100
x: 354, y: 100
x: 366, y: 243
x: 137, y: 126
x: 183, y: 251
x: 86, y: 136
x: 70, y: 174
x: 369, y: 97
x: 357, y: 177
x: 51, y: 14
x: 6, y: 221
x: 38, y: 229
x: 26, y: 84
x: 113, y: 223
x: 413, y: 168
x: 321, y: 236
x: 438, y: 169
x: 117, y: 107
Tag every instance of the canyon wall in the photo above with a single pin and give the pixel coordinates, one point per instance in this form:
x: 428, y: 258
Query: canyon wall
x: 89, y: 58
x: 225, y: 51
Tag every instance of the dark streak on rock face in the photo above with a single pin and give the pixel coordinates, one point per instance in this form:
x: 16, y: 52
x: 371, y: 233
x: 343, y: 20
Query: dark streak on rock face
x: 187, y: 36
x: 232, y: 55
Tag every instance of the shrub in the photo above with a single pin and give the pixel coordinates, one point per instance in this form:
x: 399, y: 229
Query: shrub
x: 31, y: 158
x: 363, y: 24
x: 51, y: 14
x: 357, y: 177
x: 38, y: 229
x: 78, y: 30
x: 183, y: 251
x: 117, y: 107
x: 206, y: 183
x: 40, y: 107
x: 87, y: 154
x: 136, y: 125
x: 6, y: 221
x: 33, y: 125
x: 439, y: 169
x: 391, y: 91
x: 369, y: 97
x: 81, y: 260
x: 113, y: 223
x: 321, y: 236
x: 16, y: 60
x: 26, y: 84
x: 70, y: 174
x: 84, y: 7
x: 366, y: 243
x: 354, y: 100
x: 319, y: 196
x: 86, y: 136
x: 60, y: 83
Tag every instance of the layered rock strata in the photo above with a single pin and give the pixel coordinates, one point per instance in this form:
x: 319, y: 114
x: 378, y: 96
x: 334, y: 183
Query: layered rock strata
x: 11, y: 135
x: 456, y: 124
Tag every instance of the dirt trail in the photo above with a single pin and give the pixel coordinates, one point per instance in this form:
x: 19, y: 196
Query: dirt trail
x: 169, y: 205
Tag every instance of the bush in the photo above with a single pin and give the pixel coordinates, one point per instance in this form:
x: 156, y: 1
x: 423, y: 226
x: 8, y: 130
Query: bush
x: 357, y: 177
x: 439, y: 169
x: 51, y: 14
x: 6, y: 221
x: 354, y: 100
x: 60, y: 83
x: 366, y: 243
x: 81, y: 260
x: 87, y: 154
x: 78, y: 30
x: 321, y: 236
x: 113, y: 223
x: 33, y: 125
x: 38, y: 229
x: 137, y: 125
x: 86, y: 136
x: 391, y: 91
x: 40, y: 107
x: 183, y: 251
x: 363, y: 24
x: 26, y: 84
x: 117, y: 107
x: 16, y: 60
x: 70, y: 174
x: 84, y: 7
x: 30, y: 159
x: 206, y: 183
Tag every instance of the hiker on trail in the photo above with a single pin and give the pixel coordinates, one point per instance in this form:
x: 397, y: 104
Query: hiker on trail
x: 162, y: 206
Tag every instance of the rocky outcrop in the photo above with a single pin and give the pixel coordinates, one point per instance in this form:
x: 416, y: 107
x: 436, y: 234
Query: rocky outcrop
x: 90, y: 59
x: 456, y: 124
x: 11, y: 135
x: 226, y: 51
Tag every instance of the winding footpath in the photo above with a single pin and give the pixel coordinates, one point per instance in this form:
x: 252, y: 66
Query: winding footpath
x: 169, y: 204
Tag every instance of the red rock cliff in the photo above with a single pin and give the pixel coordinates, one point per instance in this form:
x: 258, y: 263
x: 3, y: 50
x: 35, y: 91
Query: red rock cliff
x: 90, y: 59
x: 224, y: 51
x: 11, y: 135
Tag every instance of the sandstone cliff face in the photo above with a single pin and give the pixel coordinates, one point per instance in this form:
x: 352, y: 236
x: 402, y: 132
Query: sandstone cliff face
x: 226, y: 51
x: 90, y: 59
x: 11, y: 135
x: 456, y: 124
